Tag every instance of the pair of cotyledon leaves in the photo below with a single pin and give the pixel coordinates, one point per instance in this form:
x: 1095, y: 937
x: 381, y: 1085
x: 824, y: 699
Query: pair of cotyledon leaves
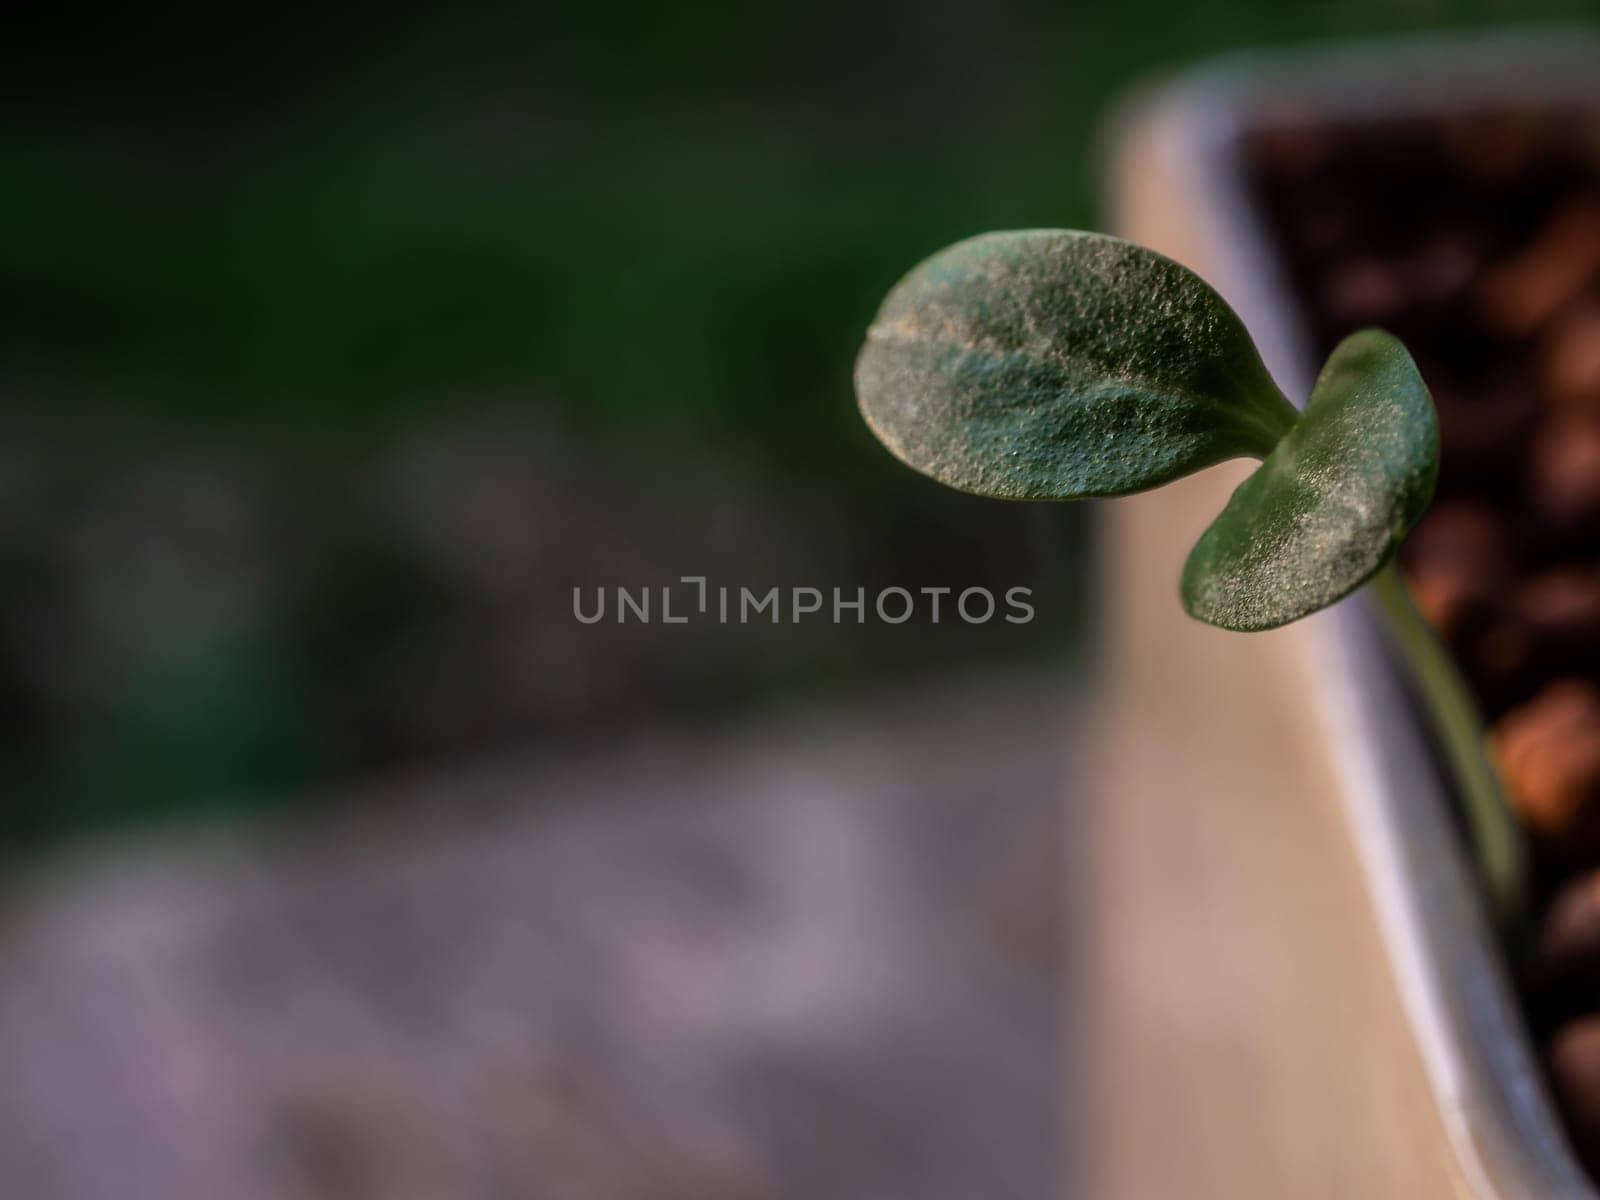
x: 1058, y: 365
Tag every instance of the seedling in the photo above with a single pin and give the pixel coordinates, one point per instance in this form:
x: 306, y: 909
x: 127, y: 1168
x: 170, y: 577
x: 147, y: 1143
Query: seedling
x: 1059, y: 365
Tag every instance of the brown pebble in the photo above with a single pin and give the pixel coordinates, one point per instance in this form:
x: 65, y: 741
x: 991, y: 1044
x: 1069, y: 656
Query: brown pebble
x: 1548, y: 751
x: 1456, y: 561
x: 1521, y: 293
x: 1570, y: 359
x: 1561, y: 609
x: 1566, y: 944
x: 1573, y: 1057
x: 1465, y: 535
x: 1452, y: 600
x: 1494, y: 147
x: 1362, y: 291
x: 1321, y: 229
x: 1564, y: 473
x: 1289, y: 144
x: 1443, y: 268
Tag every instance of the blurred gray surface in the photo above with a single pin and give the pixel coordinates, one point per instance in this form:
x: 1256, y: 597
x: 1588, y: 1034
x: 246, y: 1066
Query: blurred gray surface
x: 814, y: 956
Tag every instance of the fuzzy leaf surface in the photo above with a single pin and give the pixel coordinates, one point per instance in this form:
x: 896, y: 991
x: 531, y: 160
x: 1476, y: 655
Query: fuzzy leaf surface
x: 1331, y: 504
x: 1053, y: 364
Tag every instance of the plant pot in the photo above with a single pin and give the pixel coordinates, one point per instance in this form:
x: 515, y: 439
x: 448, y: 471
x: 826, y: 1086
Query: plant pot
x: 1294, y: 989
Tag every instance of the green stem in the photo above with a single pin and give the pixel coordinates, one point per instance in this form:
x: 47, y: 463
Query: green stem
x: 1496, y: 837
x: 1269, y: 422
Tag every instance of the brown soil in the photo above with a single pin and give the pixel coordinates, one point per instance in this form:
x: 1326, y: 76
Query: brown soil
x: 1477, y: 240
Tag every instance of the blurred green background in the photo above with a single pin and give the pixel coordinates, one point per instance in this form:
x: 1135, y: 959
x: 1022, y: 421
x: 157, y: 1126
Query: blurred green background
x: 339, y: 346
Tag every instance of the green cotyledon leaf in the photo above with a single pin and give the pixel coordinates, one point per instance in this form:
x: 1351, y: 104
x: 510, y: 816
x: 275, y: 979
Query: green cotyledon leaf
x: 1330, y: 505
x: 1051, y: 364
